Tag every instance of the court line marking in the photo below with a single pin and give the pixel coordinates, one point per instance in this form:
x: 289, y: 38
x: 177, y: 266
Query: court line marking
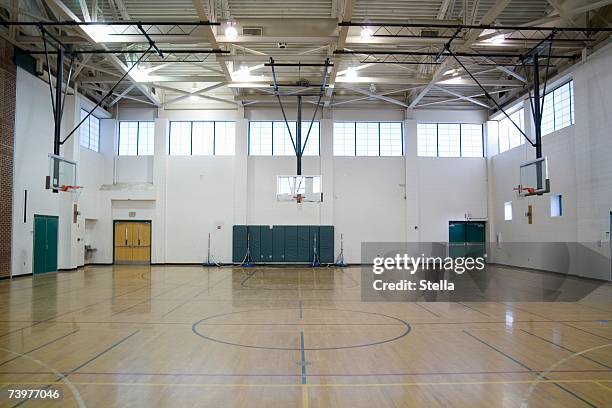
x: 566, y: 349
x: 39, y: 347
x: 196, y: 295
x: 423, y: 307
x: 604, y: 386
x: 308, y: 375
x: 474, y: 309
x: 315, y: 385
x: 541, y: 375
x: 61, y: 377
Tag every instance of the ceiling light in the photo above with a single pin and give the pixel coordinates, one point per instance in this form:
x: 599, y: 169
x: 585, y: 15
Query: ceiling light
x: 457, y: 80
x: 366, y: 33
x: 230, y: 31
x: 453, y: 72
x: 498, y: 39
x: 99, y: 33
x: 351, y: 74
x: 140, y: 74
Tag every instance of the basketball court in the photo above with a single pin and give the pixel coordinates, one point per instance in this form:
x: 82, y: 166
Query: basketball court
x: 346, y: 203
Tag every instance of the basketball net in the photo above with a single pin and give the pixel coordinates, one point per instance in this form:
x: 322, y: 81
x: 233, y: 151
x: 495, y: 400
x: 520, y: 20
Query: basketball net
x: 75, y: 192
x: 299, y: 199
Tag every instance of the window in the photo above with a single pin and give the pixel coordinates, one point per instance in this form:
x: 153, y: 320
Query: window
x: 449, y: 140
x: 368, y: 139
x: 225, y: 138
x: 89, y: 132
x: 558, y: 111
x: 344, y: 138
x: 509, y: 136
x: 508, y: 211
x: 260, y: 138
x: 556, y: 206
x: 391, y: 139
x: 202, y: 138
x: 471, y: 140
x: 274, y: 139
x: 427, y: 139
x: 136, y: 138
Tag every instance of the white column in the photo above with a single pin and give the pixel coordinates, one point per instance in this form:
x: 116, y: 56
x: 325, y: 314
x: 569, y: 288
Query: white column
x: 160, y: 171
x: 241, y: 170
x: 412, y: 181
x: 327, y: 172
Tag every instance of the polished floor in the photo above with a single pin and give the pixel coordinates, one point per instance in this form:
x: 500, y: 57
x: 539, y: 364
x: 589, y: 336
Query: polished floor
x: 187, y: 336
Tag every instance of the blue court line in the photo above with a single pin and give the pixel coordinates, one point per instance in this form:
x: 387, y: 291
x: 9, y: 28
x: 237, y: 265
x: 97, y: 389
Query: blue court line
x: 39, y: 347
x: 303, y: 357
x: 518, y: 362
x: 301, y: 314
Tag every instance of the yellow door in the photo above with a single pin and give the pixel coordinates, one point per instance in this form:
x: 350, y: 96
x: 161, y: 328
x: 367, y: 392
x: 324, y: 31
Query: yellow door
x: 123, y: 242
x: 142, y: 242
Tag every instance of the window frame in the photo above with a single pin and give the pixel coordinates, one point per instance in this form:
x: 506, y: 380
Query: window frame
x: 88, y: 121
x: 511, y: 206
x: 137, y: 137
x: 214, y: 138
x: 460, y: 125
x: 555, y: 109
x: 284, y: 126
x: 378, y: 123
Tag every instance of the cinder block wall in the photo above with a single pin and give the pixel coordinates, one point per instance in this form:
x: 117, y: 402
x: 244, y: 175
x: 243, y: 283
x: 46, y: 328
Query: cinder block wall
x: 8, y: 73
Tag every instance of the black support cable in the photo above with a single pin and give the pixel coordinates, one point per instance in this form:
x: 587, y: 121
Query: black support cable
x: 476, y: 27
x: 110, y: 92
x: 67, y: 83
x: 151, y: 42
x: 276, y: 93
x: 322, y: 91
x: 48, y: 69
x: 488, y: 95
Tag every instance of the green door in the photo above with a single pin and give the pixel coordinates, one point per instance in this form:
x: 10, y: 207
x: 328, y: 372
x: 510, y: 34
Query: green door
x: 456, y: 232
x: 475, y: 232
x: 45, y: 244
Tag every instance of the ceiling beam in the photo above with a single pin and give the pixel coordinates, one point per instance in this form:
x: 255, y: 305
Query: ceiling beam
x: 374, y: 95
x: 345, y: 16
x: 198, y: 94
x: 187, y: 95
x: 470, y: 37
x: 465, y: 98
x: 63, y: 11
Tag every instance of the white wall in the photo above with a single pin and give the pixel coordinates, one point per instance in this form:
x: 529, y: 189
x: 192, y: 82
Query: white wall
x: 580, y: 170
x: 367, y: 199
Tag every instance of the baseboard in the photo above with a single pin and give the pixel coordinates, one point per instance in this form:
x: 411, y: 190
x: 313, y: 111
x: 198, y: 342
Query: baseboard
x: 25, y: 275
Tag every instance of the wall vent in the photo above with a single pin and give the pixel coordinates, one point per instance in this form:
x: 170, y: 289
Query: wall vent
x: 252, y: 31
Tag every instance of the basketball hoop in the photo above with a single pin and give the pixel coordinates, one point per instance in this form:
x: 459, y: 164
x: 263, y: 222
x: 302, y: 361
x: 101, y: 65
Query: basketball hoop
x: 520, y: 189
x: 299, y: 198
x: 75, y: 191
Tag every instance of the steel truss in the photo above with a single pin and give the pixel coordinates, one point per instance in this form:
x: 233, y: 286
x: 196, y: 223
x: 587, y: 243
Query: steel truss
x: 298, y: 146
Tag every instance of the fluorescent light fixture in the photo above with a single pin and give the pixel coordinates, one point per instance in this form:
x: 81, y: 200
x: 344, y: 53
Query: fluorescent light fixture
x: 351, y: 74
x: 99, y: 33
x: 140, y: 74
x: 457, y: 80
x: 453, y: 72
x: 230, y: 31
x: 366, y: 33
x: 498, y: 39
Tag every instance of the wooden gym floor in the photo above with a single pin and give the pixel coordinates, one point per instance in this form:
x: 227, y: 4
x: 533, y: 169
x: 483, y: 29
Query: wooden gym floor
x: 191, y: 336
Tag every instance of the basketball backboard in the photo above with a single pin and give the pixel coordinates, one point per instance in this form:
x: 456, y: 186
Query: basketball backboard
x: 299, y: 188
x: 534, y: 178
x: 62, y: 173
